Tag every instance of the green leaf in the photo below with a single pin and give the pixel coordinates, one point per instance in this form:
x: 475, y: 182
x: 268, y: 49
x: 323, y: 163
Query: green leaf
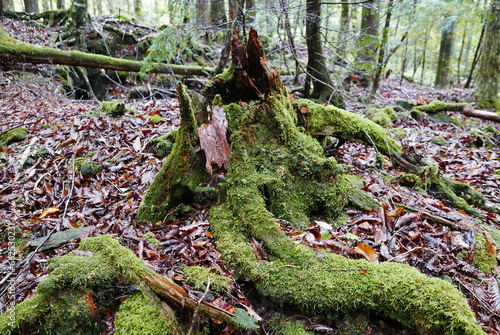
x: 244, y: 320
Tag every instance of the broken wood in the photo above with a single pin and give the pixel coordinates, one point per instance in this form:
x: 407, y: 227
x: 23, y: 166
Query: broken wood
x: 12, y: 50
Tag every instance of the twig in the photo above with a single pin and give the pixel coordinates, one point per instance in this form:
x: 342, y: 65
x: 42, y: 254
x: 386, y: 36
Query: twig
x: 196, y: 311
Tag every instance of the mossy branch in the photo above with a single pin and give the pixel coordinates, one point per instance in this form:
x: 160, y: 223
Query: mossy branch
x: 12, y: 50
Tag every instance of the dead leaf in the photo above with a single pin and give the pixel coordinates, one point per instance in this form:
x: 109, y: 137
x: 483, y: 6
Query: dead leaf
x: 367, y: 252
x: 49, y: 211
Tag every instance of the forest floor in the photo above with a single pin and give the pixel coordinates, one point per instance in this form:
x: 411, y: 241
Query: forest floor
x: 40, y: 192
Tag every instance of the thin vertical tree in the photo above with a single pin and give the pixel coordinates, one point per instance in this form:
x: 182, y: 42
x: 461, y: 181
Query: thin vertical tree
x: 31, y: 6
x: 488, y: 72
x: 368, y: 40
x: 443, y: 72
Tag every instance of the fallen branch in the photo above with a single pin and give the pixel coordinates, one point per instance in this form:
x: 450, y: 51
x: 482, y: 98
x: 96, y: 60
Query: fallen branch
x: 12, y: 50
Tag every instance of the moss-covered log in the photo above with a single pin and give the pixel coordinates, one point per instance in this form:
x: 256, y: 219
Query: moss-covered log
x: 12, y: 50
x: 80, y: 287
x: 277, y: 171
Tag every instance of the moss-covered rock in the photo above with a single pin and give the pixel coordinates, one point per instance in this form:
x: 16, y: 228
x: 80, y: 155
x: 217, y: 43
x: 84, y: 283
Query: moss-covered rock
x: 439, y: 140
x: 161, y: 146
x: 382, y: 116
x: 485, y: 258
x: 113, y: 108
x: 13, y: 135
x: 86, y: 167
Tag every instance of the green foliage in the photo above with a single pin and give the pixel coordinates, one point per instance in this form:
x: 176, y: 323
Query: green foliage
x: 13, y: 135
x: 173, y: 45
x: 245, y: 320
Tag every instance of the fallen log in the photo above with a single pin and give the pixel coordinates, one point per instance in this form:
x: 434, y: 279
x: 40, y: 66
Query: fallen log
x: 464, y: 108
x: 12, y: 50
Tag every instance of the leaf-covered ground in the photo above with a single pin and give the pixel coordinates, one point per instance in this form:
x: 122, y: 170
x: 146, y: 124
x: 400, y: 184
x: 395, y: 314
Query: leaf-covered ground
x: 41, y: 193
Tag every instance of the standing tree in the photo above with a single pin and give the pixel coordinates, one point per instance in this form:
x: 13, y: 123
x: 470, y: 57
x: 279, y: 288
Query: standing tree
x: 369, y: 35
x: 445, y: 52
x: 487, y: 82
x: 317, y: 71
x: 31, y: 6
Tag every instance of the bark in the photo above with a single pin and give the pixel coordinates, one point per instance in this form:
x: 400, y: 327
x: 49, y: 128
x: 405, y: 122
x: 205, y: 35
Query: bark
x: 317, y: 71
x: 61, y: 4
x: 487, y: 82
x: 381, y: 62
x: 443, y: 78
x: 31, y: 6
x: 202, y: 13
x: 78, y: 15
x: 369, y: 35
x: 12, y: 50
x: 343, y: 29
x: 277, y: 171
x: 217, y: 13
x: 138, y: 8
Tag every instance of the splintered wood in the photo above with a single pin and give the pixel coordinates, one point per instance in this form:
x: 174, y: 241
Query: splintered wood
x: 213, y: 140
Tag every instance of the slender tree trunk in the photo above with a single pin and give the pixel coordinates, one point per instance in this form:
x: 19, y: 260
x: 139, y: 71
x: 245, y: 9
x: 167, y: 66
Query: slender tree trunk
x: 459, y: 61
x: 1, y: 7
x: 343, y: 29
x: 78, y: 15
x: 445, y: 53
x: 424, y: 52
x: 476, y: 58
x: 318, y: 73
x: 138, y: 8
x: 202, y: 13
x: 381, y: 54
x: 61, y: 4
x: 217, y: 13
x: 488, y: 72
x: 369, y: 35
x: 31, y: 6
x: 286, y: 11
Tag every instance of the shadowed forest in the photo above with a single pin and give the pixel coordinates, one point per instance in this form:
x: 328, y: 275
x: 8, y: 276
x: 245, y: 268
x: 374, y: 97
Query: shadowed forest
x: 249, y: 167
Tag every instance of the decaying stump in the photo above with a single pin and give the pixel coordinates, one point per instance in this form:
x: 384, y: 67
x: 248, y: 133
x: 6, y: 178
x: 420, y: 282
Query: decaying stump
x: 278, y: 171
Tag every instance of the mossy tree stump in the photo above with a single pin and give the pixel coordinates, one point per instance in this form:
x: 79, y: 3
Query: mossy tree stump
x: 276, y: 170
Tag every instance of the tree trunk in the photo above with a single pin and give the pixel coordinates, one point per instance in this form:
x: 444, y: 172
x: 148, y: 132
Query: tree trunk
x: 61, y: 4
x: 343, y: 30
x: 31, y: 6
x: 12, y: 50
x: 317, y: 71
x: 217, y: 13
x: 381, y: 62
x: 443, y: 78
x: 78, y: 15
x: 487, y: 82
x: 369, y: 35
x: 138, y: 8
x: 202, y: 13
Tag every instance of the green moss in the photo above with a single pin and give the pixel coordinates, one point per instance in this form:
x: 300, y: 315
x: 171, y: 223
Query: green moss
x: 151, y: 238
x: 483, y: 260
x: 156, y: 119
x: 382, y: 116
x: 198, y: 276
x: 329, y: 120
x: 138, y: 315
x: 439, y: 140
x: 17, y: 134
x: 182, y: 172
x: 278, y: 172
x: 491, y: 130
x: 114, y: 108
x: 162, y: 145
x: 497, y: 172
x: 85, y: 167
x: 440, y: 106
